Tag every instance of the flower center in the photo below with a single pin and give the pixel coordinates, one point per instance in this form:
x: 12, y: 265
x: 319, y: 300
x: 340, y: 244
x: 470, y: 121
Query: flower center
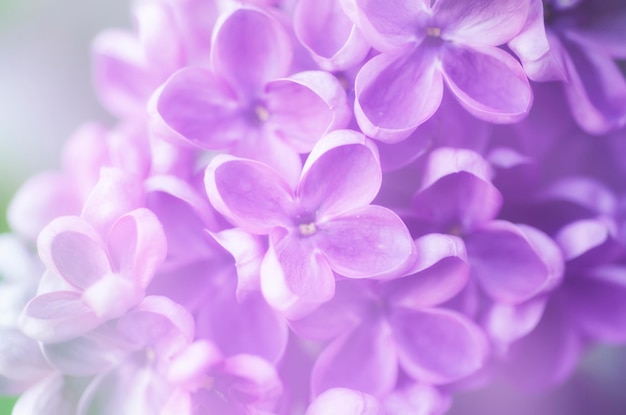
x: 433, y: 31
x: 307, y: 229
x: 261, y: 112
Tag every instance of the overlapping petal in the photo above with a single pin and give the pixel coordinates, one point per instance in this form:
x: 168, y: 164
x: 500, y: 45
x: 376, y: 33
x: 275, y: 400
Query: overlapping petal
x: 366, y: 242
x: 249, y: 193
x: 487, y: 81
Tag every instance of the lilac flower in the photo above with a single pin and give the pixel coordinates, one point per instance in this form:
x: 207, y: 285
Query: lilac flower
x: 575, y: 42
x: 424, y: 45
x: 323, y: 226
x: 107, y: 281
x: 377, y: 327
x: 246, y: 104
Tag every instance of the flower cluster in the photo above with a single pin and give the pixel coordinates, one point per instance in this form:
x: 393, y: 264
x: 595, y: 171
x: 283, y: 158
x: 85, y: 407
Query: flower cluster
x: 320, y: 207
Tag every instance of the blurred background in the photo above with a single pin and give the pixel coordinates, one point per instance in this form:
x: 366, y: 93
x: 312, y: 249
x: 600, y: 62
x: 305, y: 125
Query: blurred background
x: 45, y: 81
x: 46, y: 92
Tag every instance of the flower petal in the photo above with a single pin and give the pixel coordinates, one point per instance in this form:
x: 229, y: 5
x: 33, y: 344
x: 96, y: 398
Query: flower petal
x: 329, y: 35
x: 513, y: 262
x: 343, y: 401
x: 249, y: 193
x: 250, y: 48
x: 364, y: 359
x: 366, y: 242
x: 341, y: 173
x: 295, y: 279
x: 438, y: 346
x: 137, y: 246
x: 70, y: 247
x: 488, y: 82
x: 387, y: 25
x: 57, y: 316
x: 53, y: 395
x: 480, y: 22
x: 305, y: 106
x: 395, y: 93
x: 196, y: 106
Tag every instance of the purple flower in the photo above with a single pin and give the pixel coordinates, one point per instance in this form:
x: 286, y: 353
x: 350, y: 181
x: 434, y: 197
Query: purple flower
x: 247, y: 105
x: 324, y: 226
x: 424, y: 45
x: 575, y: 42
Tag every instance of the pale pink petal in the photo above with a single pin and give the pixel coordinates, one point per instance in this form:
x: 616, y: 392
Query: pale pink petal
x: 295, y: 279
x: 137, y: 246
x: 71, y: 248
x: 57, y: 316
x: 53, y: 395
x: 342, y: 401
x: 116, y: 193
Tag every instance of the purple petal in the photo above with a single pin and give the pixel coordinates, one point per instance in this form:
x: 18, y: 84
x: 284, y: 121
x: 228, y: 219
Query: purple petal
x: 328, y: 34
x: 480, y: 22
x: 387, y: 25
x: 595, y: 300
x: 341, y: 173
x: 157, y: 323
x: 57, y: 316
x: 596, y: 91
x: 546, y: 356
x: 196, y: 106
x: 347, y: 309
x: 538, y: 50
x: 249, y: 193
x: 121, y: 78
x: 367, y: 242
x: 249, y: 379
x: 396, y: 93
x: 247, y: 326
x: 364, y: 359
x: 507, y: 323
x: 457, y: 191
x: 513, y: 262
x: 70, y: 247
x: 438, y: 346
x: 342, y: 401
x: 305, y: 106
x: 295, y: 279
x: 440, y: 272
x: 250, y: 48
x: 487, y: 81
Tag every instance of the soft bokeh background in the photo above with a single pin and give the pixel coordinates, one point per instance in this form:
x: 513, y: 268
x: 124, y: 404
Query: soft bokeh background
x: 45, y: 93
